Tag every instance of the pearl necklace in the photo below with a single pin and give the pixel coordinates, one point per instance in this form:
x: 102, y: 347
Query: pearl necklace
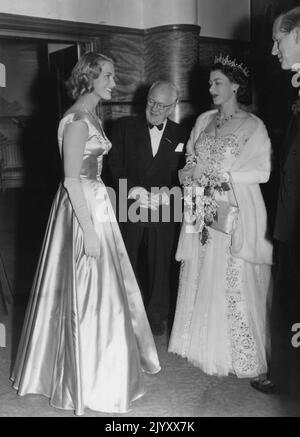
x: 221, y: 121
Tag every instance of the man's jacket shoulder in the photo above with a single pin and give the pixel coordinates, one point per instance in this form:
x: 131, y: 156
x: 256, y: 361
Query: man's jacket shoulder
x: 129, y: 121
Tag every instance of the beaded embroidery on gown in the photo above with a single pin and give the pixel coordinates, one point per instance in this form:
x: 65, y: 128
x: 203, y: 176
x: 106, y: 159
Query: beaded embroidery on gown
x: 220, y: 320
x: 86, y: 339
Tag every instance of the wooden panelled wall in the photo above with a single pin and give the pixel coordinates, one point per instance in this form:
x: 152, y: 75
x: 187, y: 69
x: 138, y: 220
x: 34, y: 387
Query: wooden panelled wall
x: 165, y: 52
x: 176, y: 53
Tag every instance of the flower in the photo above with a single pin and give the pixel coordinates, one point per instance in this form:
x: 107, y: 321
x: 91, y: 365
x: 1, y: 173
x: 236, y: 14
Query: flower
x: 200, y: 205
x: 296, y: 67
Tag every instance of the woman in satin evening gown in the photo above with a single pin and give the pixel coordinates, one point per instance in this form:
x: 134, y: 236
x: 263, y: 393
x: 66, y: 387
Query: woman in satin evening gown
x: 86, y: 340
x: 221, y: 315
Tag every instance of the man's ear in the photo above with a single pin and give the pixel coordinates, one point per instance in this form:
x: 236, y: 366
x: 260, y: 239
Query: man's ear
x: 296, y: 32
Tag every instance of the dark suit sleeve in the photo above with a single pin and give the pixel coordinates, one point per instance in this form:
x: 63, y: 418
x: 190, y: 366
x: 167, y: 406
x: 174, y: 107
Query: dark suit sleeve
x: 117, y: 154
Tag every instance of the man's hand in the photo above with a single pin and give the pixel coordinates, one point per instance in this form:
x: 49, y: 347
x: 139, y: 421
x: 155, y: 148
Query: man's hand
x: 143, y: 197
x: 160, y: 199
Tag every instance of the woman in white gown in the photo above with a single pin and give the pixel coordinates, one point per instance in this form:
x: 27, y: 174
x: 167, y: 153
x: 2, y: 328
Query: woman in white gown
x: 86, y: 340
x: 221, y: 318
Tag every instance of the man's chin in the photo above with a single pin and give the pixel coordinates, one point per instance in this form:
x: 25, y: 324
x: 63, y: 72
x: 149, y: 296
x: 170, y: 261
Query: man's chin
x: 155, y: 121
x: 285, y: 66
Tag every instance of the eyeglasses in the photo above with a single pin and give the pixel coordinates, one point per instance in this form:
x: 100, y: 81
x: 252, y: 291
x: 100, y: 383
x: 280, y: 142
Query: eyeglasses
x: 159, y: 106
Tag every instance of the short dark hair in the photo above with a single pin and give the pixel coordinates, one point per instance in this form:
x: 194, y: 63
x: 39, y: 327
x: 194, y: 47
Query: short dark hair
x: 289, y: 20
x: 87, y: 69
x: 235, y: 75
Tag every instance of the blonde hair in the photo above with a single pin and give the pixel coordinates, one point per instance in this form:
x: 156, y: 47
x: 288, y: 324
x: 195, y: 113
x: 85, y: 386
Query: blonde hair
x: 87, y: 69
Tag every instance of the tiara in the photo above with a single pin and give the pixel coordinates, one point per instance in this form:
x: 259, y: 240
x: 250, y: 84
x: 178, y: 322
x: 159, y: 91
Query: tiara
x: 233, y: 64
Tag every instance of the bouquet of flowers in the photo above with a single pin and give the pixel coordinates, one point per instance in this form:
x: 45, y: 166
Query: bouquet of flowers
x: 200, y: 205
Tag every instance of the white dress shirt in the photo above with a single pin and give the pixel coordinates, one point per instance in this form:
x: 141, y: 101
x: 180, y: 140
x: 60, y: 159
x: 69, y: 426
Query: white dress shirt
x: 155, y: 135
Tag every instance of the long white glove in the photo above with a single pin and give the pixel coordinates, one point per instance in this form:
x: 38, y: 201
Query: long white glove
x: 90, y: 237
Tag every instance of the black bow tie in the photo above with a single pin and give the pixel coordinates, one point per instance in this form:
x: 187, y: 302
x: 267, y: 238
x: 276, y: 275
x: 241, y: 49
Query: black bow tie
x: 159, y: 126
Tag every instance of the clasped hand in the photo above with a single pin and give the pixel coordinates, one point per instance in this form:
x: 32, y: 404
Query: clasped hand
x: 149, y: 200
x: 225, y: 176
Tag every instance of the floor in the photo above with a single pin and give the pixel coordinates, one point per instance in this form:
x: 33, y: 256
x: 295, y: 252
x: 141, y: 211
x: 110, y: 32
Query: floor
x: 179, y: 390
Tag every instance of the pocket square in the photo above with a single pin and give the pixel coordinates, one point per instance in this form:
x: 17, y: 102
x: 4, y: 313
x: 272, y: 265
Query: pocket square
x: 179, y: 147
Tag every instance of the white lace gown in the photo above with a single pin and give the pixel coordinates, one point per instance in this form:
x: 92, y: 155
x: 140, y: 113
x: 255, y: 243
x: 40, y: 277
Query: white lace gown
x: 220, y: 320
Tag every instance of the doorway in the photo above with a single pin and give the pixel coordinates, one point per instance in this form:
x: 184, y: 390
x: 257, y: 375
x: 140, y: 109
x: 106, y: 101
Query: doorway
x: 31, y: 105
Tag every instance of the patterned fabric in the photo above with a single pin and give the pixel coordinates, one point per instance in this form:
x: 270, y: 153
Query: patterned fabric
x: 212, y: 151
x: 220, y: 320
x: 242, y: 342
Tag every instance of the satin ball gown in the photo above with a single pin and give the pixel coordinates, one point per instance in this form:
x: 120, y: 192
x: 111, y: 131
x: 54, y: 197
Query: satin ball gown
x: 86, y: 340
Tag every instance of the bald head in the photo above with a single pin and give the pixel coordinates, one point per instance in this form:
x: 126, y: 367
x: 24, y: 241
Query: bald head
x: 161, y: 102
x: 165, y: 87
